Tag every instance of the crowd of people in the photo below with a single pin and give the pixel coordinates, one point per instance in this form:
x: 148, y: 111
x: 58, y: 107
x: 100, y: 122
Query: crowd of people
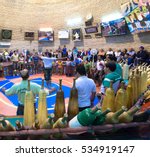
x: 89, y: 68
x: 31, y: 59
x: 37, y: 61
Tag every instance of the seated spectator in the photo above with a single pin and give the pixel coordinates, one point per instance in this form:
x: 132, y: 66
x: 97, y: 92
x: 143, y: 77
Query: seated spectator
x: 118, y: 55
x: 110, y: 52
x: 102, y: 54
x: 142, y: 55
x: 131, y: 56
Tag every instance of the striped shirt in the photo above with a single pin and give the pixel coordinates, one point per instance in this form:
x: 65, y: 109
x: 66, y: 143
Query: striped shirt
x: 113, y: 76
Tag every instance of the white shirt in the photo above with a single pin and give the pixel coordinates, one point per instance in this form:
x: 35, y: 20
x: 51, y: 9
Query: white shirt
x: 131, y: 53
x: 15, y: 58
x: 85, y: 87
x: 117, y: 54
x: 109, y: 53
x: 48, y: 61
x: 100, y: 65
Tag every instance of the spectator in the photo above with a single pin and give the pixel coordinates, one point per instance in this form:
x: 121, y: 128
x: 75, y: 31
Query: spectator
x: 110, y: 75
x: 86, y: 88
x: 142, y: 55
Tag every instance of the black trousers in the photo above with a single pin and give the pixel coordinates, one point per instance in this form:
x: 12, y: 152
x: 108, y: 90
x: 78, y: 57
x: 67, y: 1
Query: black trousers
x: 83, y: 108
x: 20, y: 110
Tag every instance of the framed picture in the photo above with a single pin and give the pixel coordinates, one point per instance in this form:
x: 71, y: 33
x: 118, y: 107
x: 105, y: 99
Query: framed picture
x: 98, y: 35
x: 6, y: 34
x: 92, y: 29
x: 63, y: 34
x: 76, y: 34
x: 115, y: 27
x: 46, y: 36
x: 29, y: 35
x: 87, y: 36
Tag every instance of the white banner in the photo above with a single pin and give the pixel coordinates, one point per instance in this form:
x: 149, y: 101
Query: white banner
x: 69, y: 148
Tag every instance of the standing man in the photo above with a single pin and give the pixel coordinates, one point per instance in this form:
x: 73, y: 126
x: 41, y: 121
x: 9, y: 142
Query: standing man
x: 86, y: 88
x: 64, y: 51
x: 21, y: 88
x: 35, y: 60
x: 48, y: 65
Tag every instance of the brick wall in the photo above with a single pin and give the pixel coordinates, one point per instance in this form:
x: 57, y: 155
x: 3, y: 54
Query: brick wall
x: 30, y: 15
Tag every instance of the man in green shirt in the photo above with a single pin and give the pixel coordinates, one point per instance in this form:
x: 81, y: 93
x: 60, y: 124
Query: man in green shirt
x: 110, y: 75
x: 21, y: 88
x: 118, y: 67
x: 87, y: 66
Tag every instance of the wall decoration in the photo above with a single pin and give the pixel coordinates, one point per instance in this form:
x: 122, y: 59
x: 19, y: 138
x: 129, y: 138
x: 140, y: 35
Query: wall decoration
x: 98, y: 35
x: 29, y: 35
x: 92, y: 29
x: 139, y: 19
x: 46, y: 35
x: 127, y: 7
x: 76, y: 34
x: 6, y: 34
x: 89, y: 19
x: 115, y: 27
x: 143, y: 2
x: 87, y: 36
x: 63, y: 34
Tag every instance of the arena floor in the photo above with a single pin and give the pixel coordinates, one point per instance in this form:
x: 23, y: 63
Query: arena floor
x: 8, y: 104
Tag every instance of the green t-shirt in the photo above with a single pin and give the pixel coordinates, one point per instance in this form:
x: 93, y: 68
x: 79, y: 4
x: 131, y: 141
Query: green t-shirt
x: 113, y: 76
x: 118, y: 69
x: 87, y: 66
x: 21, y: 88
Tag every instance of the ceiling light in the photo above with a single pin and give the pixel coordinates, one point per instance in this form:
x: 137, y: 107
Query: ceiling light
x: 112, y: 17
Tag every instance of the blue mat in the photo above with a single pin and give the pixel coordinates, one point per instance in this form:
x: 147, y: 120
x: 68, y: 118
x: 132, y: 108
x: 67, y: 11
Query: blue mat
x: 51, y: 99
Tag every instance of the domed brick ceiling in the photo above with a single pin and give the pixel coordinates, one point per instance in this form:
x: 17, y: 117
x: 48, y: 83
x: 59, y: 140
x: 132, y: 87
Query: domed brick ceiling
x: 22, y: 16
x: 54, y: 13
x: 43, y: 1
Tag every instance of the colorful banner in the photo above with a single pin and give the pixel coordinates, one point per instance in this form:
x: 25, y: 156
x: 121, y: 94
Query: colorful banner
x: 128, y: 7
x: 139, y: 19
